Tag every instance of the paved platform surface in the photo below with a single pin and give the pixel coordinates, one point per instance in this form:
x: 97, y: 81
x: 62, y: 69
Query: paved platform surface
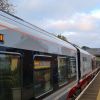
x: 92, y: 91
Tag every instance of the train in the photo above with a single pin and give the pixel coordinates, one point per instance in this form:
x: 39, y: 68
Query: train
x: 36, y: 65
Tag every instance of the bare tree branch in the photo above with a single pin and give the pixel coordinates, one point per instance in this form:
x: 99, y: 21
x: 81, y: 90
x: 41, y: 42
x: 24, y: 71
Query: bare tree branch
x: 6, y: 6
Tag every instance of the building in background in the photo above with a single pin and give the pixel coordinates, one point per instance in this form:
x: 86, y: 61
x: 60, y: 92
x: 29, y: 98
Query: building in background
x: 95, y: 52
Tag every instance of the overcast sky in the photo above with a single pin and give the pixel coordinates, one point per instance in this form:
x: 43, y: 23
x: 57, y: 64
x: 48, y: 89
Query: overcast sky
x: 78, y: 20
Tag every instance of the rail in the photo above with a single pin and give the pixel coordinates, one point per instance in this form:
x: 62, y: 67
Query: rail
x: 92, y: 89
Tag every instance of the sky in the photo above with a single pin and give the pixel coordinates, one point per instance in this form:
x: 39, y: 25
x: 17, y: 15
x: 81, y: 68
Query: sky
x: 77, y: 20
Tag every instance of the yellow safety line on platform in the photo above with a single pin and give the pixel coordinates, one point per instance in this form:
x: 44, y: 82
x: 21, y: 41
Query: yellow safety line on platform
x: 98, y: 96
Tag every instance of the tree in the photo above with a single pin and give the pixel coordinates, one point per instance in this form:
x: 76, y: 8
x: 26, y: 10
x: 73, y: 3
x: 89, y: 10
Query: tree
x: 62, y: 37
x: 85, y: 47
x: 6, y: 6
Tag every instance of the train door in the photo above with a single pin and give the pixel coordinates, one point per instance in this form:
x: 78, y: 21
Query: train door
x: 10, y: 82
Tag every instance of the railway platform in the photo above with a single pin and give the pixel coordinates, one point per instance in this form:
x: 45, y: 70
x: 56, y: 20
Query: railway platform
x: 92, y: 91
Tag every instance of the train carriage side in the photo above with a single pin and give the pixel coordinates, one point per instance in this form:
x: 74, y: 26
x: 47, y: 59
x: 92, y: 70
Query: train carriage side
x: 86, y: 63
x: 87, y: 68
x: 86, y: 71
x: 33, y: 63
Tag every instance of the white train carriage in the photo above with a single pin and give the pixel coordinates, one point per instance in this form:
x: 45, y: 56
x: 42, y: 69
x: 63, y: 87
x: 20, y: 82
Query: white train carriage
x: 35, y: 64
x: 40, y: 63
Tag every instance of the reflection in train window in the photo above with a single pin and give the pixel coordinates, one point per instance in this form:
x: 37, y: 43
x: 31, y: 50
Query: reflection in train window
x: 10, y: 77
x: 42, y: 75
x: 72, y: 68
x: 62, y: 70
x: 66, y: 69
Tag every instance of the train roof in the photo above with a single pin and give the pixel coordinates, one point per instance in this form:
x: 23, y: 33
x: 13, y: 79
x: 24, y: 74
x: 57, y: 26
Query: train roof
x: 21, y: 34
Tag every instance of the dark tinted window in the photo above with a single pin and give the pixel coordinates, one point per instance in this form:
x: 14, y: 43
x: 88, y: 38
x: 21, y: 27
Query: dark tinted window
x: 42, y: 75
x: 62, y: 70
x: 72, y: 68
x: 66, y: 69
x: 10, y: 77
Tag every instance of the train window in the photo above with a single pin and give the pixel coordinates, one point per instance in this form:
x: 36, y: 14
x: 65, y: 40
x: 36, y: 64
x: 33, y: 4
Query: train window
x: 62, y: 70
x: 86, y: 64
x: 10, y: 77
x: 72, y: 67
x: 84, y: 59
x: 66, y: 69
x: 42, y: 75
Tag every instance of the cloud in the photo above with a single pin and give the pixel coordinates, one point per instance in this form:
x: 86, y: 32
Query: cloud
x: 78, y: 20
x: 80, y: 28
x: 95, y: 14
x: 59, y: 13
x: 31, y: 5
x: 81, y: 39
x: 55, y: 8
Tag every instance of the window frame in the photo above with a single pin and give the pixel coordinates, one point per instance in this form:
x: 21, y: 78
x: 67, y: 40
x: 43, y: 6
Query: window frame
x: 69, y: 73
x: 73, y: 59
x: 20, y: 56
x: 58, y: 70
x: 21, y: 74
x: 48, y: 56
